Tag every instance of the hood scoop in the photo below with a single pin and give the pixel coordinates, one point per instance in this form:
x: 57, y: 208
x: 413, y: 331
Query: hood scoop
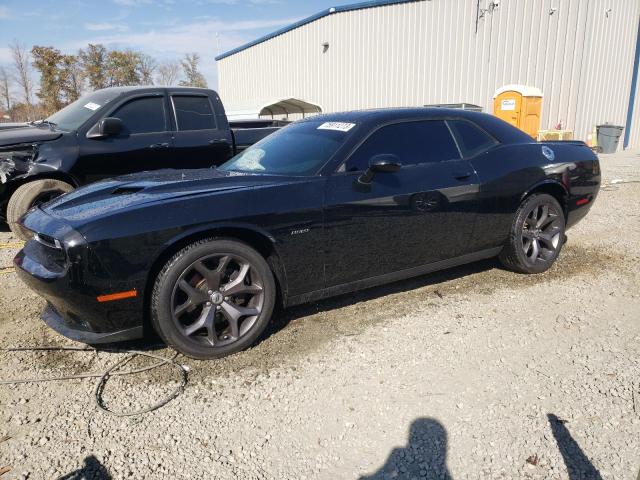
x: 127, y: 190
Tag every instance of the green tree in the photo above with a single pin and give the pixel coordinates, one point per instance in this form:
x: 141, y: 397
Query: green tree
x: 47, y: 60
x: 93, y: 62
x: 122, y: 68
x: 193, y: 77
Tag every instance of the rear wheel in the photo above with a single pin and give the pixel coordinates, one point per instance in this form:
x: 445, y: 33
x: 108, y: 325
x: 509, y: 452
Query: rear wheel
x: 213, y: 298
x: 536, y: 236
x: 31, y: 195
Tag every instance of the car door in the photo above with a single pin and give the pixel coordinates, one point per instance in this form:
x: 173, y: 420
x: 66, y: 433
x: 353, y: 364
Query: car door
x: 421, y: 214
x: 143, y: 144
x: 199, y: 142
x: 495, y: 212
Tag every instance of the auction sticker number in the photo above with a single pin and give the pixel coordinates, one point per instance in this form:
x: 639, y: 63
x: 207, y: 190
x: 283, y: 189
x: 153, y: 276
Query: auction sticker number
x: 339, y: 126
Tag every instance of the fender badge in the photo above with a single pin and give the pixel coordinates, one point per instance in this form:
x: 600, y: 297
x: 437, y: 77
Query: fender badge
x: 548, y: 153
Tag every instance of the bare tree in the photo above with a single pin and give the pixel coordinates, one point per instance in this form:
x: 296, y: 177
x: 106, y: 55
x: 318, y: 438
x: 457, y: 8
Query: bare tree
x: 146, y: 67
x: 21, y: 62
x: 168, y: 73
x: 71, y: 78
x: 193, y: 76
x: 5, y: 89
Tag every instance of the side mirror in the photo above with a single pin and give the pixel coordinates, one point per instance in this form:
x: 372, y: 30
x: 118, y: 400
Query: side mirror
x: 381, y: 163
x: 107, y: 127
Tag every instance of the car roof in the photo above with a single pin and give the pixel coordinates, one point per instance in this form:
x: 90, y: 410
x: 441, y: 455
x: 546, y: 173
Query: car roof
x: 501, y: 130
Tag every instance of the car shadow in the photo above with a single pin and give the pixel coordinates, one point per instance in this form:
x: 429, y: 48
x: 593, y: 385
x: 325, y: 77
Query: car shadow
x: 282, y: 318
x: 91, y: 469
x: 424, y: 456
x: 579, y: 467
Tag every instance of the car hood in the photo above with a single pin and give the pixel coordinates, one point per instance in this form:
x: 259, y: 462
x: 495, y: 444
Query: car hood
x: 133, y: 191
x: 28, y: 134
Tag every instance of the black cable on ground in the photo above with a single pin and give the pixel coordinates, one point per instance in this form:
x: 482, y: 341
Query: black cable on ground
x: 110, y: 372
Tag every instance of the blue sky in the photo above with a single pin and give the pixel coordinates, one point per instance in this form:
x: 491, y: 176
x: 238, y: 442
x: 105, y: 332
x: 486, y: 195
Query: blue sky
x: 165, y: 29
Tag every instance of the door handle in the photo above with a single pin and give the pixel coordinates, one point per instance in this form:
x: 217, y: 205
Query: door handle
x: 159, y: 145
x: 217, y: 140
x: 461, y: 175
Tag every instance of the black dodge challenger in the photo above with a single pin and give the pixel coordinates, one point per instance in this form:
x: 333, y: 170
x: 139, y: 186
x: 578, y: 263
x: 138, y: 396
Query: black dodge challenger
x: 327, y: 205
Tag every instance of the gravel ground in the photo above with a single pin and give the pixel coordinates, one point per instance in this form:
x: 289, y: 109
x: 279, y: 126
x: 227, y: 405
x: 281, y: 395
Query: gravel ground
x: 475, y: 372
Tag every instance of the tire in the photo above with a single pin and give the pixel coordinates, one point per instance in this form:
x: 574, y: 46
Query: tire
x: 536, y: 237
x: 29, y: 195
x: 203, y: 288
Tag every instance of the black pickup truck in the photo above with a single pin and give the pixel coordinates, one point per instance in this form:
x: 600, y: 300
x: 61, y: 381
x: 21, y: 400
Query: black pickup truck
x: 111, y: 132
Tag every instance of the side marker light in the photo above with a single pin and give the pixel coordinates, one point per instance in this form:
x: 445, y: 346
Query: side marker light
x: 117, y: 296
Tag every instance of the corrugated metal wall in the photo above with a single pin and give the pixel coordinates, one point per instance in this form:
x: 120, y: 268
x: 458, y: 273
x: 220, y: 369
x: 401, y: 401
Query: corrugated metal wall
x: 579, y: 52
x: 634, y: 131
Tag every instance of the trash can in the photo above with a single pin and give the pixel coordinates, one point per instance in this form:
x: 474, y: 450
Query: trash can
x: 608, y: 137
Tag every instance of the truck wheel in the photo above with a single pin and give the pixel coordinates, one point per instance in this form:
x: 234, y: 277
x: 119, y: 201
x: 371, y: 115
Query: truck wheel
x: 536, y: 236
x: 30, y: 195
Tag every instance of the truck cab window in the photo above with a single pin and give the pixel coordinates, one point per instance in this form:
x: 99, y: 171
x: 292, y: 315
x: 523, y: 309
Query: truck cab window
x: 142, y: 115
x: 412, y: 142
x: 193, y: 113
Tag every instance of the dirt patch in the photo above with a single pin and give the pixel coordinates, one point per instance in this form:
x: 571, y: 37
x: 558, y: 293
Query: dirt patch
x: 303, y: 329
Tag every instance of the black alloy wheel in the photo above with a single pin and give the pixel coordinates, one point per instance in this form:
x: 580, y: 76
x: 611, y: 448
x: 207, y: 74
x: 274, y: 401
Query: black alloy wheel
x: 541, y: 233
x: 217, y: 299
x: 537, y: 235
x: 213, y: 298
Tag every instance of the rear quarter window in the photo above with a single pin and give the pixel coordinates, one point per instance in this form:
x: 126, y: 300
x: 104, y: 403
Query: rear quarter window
x: 472, y: 140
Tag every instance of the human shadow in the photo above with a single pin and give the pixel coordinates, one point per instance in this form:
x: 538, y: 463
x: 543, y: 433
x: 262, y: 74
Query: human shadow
x: 424, y: 456
x: 579, y: 467
x: 91, y: 469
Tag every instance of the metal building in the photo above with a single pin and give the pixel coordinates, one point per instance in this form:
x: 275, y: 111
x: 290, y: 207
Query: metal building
x: 583, y: 54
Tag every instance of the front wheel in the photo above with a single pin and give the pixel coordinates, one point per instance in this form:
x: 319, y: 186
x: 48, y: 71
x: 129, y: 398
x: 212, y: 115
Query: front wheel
x: 536, y: 236
x: 213, y: 298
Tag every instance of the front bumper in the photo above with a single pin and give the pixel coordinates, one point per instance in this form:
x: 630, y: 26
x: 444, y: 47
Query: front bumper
x: 71, y: 279
x: 56, y: 322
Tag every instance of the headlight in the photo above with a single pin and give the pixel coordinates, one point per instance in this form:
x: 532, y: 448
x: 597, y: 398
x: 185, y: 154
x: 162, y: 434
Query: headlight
x: 47, y: 241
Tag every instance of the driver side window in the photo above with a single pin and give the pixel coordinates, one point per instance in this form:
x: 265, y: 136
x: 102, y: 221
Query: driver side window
x: 142, y: 115
x: 412, y: 142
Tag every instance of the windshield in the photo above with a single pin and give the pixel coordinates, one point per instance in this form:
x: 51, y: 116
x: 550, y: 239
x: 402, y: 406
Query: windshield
x: 75, y: 114
x: 299, y: 149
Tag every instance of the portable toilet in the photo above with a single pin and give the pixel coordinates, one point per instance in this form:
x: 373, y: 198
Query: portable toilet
x: 519, y: 105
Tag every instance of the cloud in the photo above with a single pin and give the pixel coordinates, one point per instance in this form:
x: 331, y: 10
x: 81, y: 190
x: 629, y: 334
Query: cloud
x: 4, y: 13
x: 132, y: 3
x: 187, y: 37
x: 208, y: 38
x: 5, y: 56
x: 99, y: 27
x: 239, y: 2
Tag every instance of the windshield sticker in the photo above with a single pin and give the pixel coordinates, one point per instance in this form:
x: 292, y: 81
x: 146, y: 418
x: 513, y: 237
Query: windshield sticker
x: 92, y: 106
x: 339, y: 126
